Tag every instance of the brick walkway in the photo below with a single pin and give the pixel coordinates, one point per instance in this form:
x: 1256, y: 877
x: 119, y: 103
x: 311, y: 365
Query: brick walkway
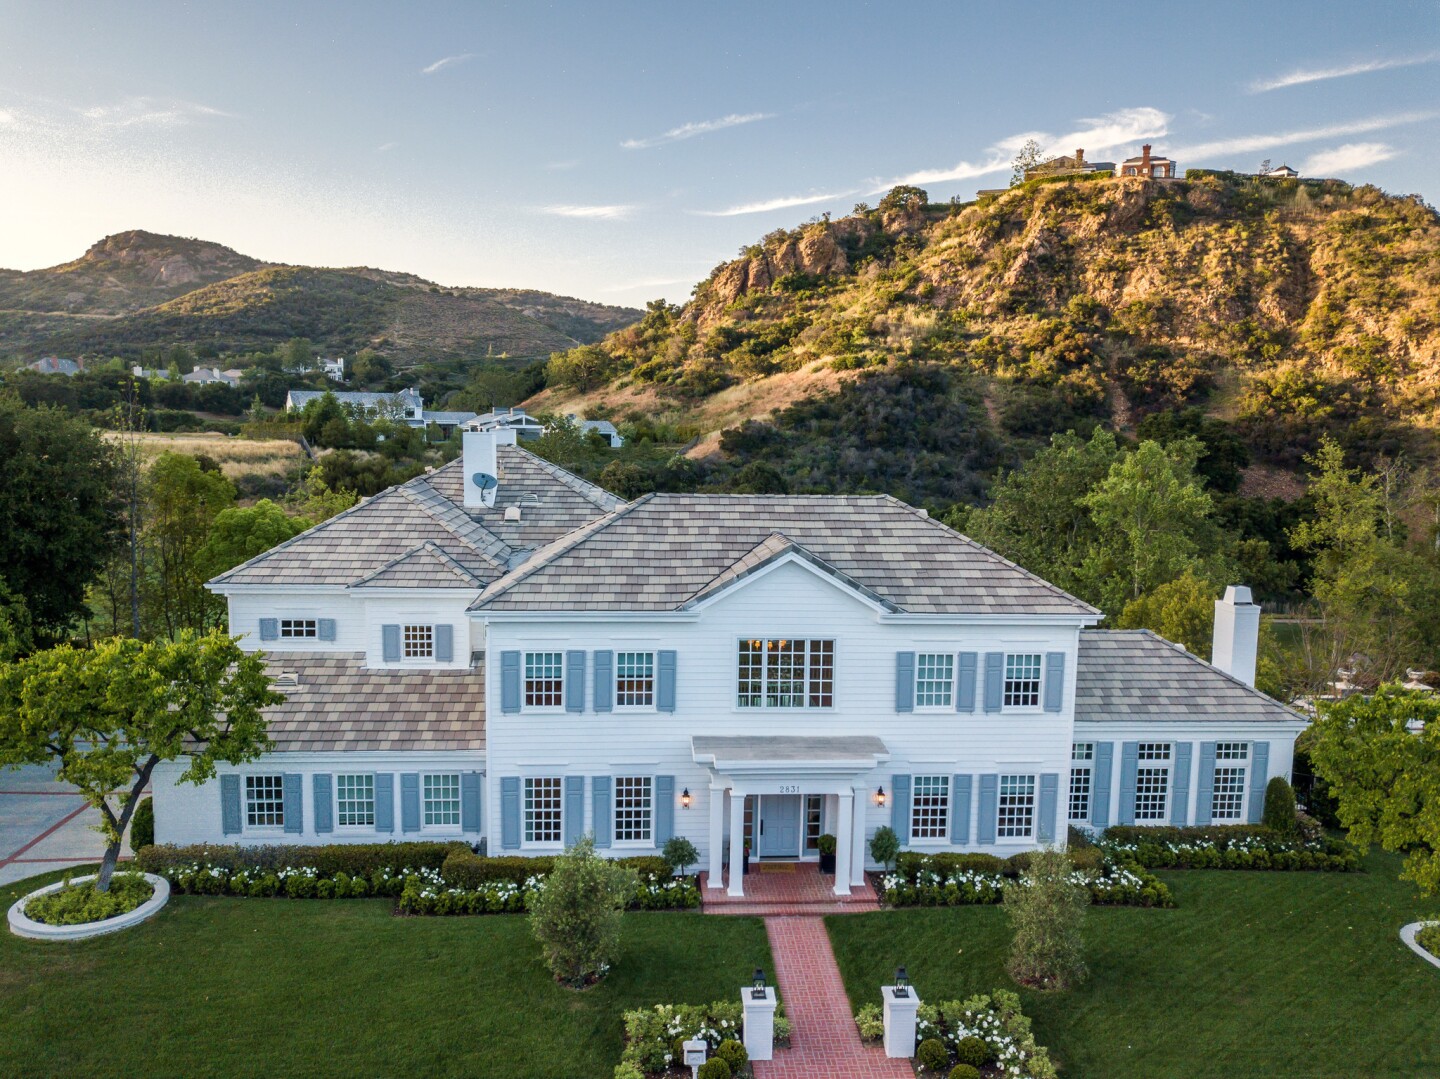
x: 788, y: 888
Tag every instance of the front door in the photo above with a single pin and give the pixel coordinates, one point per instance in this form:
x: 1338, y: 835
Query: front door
x: 779, y: 826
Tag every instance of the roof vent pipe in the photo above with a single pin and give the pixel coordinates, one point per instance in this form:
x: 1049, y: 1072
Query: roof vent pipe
x: 1237, y: 634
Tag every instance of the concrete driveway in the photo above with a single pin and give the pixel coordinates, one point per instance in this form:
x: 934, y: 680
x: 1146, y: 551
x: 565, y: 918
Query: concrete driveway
x: 44, y: 824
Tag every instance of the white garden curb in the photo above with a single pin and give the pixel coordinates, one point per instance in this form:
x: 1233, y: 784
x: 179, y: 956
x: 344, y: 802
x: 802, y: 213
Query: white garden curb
x: 1407, y: 934
x: 22, y: 926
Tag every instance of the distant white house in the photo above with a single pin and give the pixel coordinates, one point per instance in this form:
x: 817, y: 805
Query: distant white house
x: 518, y: 420
x: 1281, y: 172
x: 604, y: 428
x: 206, y: 376
x: 406, y: 406
x: 54, y: 365
x: 334, y: 369
x: 149, y: 372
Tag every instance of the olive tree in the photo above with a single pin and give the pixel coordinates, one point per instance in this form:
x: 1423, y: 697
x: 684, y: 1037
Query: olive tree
x: 1047, y: 909
x: 576, y: 914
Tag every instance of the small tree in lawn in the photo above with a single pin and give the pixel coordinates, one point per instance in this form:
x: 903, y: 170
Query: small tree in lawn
x: 110, y: 714
x: 1047, y: 911
x: 679, y: 853
x: 885, y: 846
x: 576, y: 915
x: 1280, y: 807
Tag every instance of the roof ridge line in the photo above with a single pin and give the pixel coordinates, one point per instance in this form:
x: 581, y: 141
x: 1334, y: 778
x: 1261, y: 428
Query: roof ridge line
x: 592, y: 492
x: 440, y: 514
x: 425, y: 545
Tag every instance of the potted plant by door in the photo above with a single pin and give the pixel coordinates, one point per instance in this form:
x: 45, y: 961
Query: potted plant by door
x: 826, y: 845
x: 745, y: 865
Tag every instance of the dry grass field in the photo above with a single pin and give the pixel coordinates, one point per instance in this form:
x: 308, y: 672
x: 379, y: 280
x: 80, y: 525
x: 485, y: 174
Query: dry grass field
x: 236, y: 456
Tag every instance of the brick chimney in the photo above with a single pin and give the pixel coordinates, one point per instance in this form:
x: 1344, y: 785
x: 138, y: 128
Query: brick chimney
x: 1145, y: 160
x: 1079, y: 158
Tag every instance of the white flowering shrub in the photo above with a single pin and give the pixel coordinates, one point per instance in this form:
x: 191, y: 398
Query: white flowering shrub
x: 653, y: 1036
x: 996, y: 1020
x: 1228, y: 847
x: 1118, y: 882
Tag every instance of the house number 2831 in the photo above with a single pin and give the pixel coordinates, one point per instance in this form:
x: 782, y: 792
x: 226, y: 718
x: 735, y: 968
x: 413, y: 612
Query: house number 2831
x: 789, y: 788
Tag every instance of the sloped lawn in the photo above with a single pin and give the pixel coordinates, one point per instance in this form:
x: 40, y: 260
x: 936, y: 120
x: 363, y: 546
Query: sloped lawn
x: 1255, y: 974
x: 228, y: 987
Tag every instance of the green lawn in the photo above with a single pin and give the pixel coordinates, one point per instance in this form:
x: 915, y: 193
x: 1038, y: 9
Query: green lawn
x: 228, y: 987
x: 1255, y: 974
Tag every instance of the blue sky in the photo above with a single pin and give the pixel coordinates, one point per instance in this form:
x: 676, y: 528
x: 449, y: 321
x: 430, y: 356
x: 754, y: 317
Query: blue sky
x: 619, y: 151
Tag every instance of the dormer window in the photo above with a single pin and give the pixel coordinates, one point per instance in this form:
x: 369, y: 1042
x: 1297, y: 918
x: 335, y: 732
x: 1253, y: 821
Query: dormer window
x: 299, y: 628
x: 418, y: 642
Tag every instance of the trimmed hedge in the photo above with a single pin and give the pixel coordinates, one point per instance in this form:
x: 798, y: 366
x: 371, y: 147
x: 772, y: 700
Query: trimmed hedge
x: 352, y: 859
x: 463, y: 868
x: 1231, y: 846
x: 928, y: 880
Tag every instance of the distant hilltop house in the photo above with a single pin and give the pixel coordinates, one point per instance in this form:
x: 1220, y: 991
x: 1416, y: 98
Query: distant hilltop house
x: 524, y: 425
x: 406, y: 406
x: 604, y: 428
x: 1157, y: 168
x: 54, y: 365
x: 149, y: 372
x: 1068, y: 165
x: 209, y: 376
x: 1281, y: 172
x: 334, y: 369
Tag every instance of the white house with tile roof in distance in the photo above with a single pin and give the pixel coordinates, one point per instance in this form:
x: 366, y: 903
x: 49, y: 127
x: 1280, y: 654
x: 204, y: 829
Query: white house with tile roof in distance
x: 405, y: 406
x: 501, y: 653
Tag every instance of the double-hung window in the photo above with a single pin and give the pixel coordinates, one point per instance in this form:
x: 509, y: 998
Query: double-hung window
x: 440, y: 797
x: 355, y: 800
x: 935, y: 680
x: 264, y: 801
x: 1022, y: 680
x: 544, y: 809
x: 634, y: 679
x: 1227, y: 802
x: 929, y: 807
x: 1152, y: 782
x: 786, y: 673
x: 544, y: 679
x: 417, y: 642
x: 634, y: 808
x: 1082, y: 758
x: 1016, y: 812
x: 299, y: 628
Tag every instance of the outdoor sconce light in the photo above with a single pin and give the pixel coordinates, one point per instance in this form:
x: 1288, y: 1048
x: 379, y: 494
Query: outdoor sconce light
x: 757, y: 985
x: 684, y: 798
x: 880, y: 796
x: 902, y: 982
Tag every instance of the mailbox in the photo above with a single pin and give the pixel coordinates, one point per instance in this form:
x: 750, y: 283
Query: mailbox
x: 696, y: 1050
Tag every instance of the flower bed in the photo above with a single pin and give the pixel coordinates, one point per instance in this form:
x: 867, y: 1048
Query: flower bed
x: 989, y: 1033
x: 81, y: 904
x: 653, y: 1036
x: 1228, y: 847
x: 927, y: 881
x: 428, y: 892
x: 1429, y: 939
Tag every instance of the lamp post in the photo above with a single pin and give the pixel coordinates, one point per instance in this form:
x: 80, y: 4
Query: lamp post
x: 757, y: 985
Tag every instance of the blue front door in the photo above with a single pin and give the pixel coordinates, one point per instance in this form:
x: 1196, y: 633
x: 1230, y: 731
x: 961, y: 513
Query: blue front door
x: 779, y: 826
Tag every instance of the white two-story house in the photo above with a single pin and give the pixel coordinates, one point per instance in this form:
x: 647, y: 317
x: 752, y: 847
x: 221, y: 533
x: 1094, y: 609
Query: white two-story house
x: 501, y: 653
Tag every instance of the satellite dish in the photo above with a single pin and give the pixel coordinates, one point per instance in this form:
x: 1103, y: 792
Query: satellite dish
x: 484, y: 481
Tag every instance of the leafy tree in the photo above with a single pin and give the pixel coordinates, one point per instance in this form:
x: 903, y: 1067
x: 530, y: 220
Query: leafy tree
x: 183, y: 502
x: 318, y: 502
x: 583, y: 368
x: 299, y: 356
x: 1280, y: 806
x: 239, y: 534
x: 758, y: 478
x: 576, y: 916
x: 680, y: 853
x: 110, y: 714
x: 1182, y: 610
x: 1223, y: 455
x: 904, y: 198
x: 885, y: 846
x: 1047, y: 911
x: 17, y: 636
x: 369, y: 367
x: 1029, y: 155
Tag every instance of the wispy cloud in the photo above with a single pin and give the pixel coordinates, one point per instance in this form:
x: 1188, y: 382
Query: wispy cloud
x: 652, y: 282
x: 446, y: 61
x: 386, y: 147
x: 603, y: 213
x: 1249, y: 143
x: 1319, y: 74
x: 1347, y: 158
x: 700, y: 127
x: 783, y: 203
x: 149, y: 112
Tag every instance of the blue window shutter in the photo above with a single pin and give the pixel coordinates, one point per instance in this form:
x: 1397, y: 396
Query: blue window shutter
x: 409, y: 801
x: 470, y: 801
x: 390, y: 643
x: 602, y: 810
x: 987, y: 816
x: 574, y: 807
x: 327, y: 629
x: 1049, y: 799
x: 230, y: 804
x: 1101, y: 769
x: 1054, y: 681
x: 994, y: 680
x: 1129, y: 764
x: 664, y: 809
x: 324, y: 806
x: 604, y: 691
x: 965, y: 689
x: 444, y: 644
x: 294, y: 802
x: 269, y: 629
x: 904, y: 681
x: 510, y: 812
x: 900, y: 806
x: 575, y: 681
x: 509, y: 681
x: 384, y: 801
x: 960, y: 808
x: 665, y: 681
x: 1259, y: 778
x: 1205, y: 785
x: 1180, y: 784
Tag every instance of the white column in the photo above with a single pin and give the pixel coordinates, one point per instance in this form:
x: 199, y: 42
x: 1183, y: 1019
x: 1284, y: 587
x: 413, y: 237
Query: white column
x: 900, y: 1015
x: 857, y: 854
x: 716, y: 878
x: 737, y: 842
x: 845, y: 823
x: 759, y: 1023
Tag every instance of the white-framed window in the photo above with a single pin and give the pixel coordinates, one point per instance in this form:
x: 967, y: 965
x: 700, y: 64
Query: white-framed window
x: 355, y: 800
x: 544, y: 679
x: 814, y: 807
x: 417, y: 642
x: 1232, y: 767
x: 935, y: 680
x: 929, y: 807
x: 299, y: 628
x: 634, y: 679
x: 1022, y: 680
x: 440, y: 800
x: 634, y: 808
x: 1152, y: 782
x: 264, y: 801
x: 1082, y: 756
x: 1016, y: 810
x: 784, y: 672
x: 544, y: 809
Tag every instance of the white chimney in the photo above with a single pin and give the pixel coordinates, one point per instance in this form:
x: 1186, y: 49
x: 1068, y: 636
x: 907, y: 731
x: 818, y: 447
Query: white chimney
x: 480, y: 462
x: 1237, y: 634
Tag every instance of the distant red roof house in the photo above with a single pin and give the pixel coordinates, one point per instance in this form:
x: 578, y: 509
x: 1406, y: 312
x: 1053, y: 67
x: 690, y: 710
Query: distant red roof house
x: 1157, y: 168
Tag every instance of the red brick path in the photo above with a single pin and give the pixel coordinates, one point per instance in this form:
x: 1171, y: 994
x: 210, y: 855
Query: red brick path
x: 788, y: 888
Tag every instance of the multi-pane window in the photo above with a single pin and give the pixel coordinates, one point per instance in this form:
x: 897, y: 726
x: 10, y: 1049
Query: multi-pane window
x: 441, y: 796
x: 1227, y: 802
x: 934, y: 680
x: 1082, y: 756
x: 265, y: 801
x: 544, y: 679
x: 1016, y: 817
x: 634, y: 679
x: 291, y: 628
x: 1152, y: 781
x: 544, y: 810
x: 929, y: 807
x: 786, y: 673
x: 418, y: 642
x: 355, y: 800
x: 813, y: 803
x: 1022, y: 680
x: 633, y: 809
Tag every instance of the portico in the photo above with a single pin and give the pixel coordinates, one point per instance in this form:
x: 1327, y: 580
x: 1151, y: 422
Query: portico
x: 784, y: 767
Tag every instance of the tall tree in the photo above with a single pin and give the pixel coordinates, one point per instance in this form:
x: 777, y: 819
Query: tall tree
x: 183, y: 501
x: 241, y: 533
x: 1029, y: 155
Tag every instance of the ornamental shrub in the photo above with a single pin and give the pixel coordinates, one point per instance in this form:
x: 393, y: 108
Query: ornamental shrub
x: 679, y: 853
x: 327, y: 860
x: 1428, y: 937
x: 142, y: 825
x: 76, y: 904
x: 964, y: 1071
x: 932, y: 1056
x: 870, y: 1022
x: 1047, y: 912
x: 885, y: 846
x: 714, y: 1068
x: 826, y: 844
x: 626, y: 1070
x: 972, y: 1051
x: 576, y: 916
x: 1280, y: 807
x: 733, y: 1054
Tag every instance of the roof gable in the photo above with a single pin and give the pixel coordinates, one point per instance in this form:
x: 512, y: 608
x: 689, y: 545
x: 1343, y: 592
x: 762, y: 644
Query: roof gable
x: 769, y: 554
